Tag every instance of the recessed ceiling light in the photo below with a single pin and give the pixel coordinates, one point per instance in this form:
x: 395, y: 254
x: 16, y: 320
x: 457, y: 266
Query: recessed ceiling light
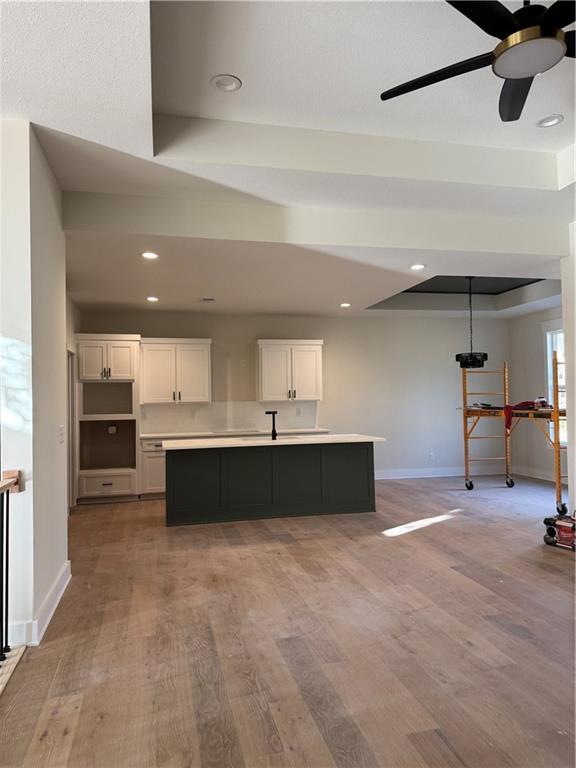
x: 550, y: 121
x: 226, y: 83
x: 417, y: 267
x: 152, y: 298
x: 149, y: 255
x: 345, y: 304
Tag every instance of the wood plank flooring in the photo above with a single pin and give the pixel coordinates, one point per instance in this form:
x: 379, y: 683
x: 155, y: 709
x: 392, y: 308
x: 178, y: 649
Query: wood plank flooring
x: 307, y: 642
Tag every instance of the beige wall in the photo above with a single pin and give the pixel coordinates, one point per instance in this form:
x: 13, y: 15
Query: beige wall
x: 394, y: 377
x: 33, y: 380
x: 48, y: 261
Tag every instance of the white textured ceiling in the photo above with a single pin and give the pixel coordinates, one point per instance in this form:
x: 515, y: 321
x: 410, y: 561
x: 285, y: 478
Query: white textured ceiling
x: 323, y: 65
x: 79, y: 67
x: 82, y: 73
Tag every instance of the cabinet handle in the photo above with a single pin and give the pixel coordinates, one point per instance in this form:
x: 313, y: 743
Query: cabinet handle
x: 289, y: 394
x: 109, y: 372
x: 293, y: 394
x: 179, y: 395
x: 103, y: 373
x: 107, y: 483
x: 173, y: 395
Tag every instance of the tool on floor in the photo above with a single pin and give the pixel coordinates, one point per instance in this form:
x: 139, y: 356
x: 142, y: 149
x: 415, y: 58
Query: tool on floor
x: 560, y: 531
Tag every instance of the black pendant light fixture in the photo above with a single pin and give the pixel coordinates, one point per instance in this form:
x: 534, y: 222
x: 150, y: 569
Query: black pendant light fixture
x: 471, y: 359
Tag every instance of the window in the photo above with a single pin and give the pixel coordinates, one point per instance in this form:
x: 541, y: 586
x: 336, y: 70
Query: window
x: 555, y: 343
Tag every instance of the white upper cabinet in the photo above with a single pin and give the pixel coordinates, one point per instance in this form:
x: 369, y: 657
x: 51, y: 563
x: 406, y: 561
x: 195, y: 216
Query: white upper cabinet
x: 121, y: 361
x: 92, y: 360
x: 275, y: 372
x: 307, y: 372
x: 290, y: 369
x: 158, y: 373
x: 107, y: 359
x: 176, y: 371
x: 193, y: 380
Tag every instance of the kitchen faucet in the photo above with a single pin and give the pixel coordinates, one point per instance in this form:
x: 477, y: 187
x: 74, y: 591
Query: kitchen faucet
x: 273, y: 414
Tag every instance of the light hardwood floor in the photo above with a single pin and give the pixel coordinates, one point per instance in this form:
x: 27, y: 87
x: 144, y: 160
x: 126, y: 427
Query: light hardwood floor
x: 313, y: 642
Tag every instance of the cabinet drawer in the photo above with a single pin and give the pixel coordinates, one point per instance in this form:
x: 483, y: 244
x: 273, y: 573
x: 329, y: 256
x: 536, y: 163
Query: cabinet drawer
x: 151, y: 445
x: 120, y: 484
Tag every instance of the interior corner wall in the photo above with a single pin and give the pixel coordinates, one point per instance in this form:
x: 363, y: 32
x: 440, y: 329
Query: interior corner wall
x: 48, y: 249
x: 568, y: 266
x: 531, y: 455
x: 389, y: 376
x: 33, y: 378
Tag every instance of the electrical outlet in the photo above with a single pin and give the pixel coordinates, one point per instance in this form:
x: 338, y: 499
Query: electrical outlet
x: 298, y: 412
x: 431, y: 457
x: 61, y: 434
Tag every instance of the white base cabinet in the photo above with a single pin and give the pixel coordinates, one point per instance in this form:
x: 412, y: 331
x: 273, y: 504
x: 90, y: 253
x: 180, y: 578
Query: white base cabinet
x: 107, y: 482
x: 153, y: 472
x: 290, y: 369
x: 176, y: 371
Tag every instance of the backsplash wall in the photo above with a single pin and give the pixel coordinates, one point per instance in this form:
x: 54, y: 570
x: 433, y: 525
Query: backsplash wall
x: 217, y: 417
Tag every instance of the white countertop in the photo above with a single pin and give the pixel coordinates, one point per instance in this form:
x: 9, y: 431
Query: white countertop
x: 257, y: 440
x: 231, y: 433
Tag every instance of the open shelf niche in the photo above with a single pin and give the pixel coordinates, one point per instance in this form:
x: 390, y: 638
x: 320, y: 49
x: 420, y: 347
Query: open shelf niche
x: 108, y: 444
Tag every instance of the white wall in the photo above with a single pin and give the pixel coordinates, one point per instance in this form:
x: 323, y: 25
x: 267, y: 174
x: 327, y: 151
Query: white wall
x: 569, y: 300
x: 33, y: 383
x: 16, y: 368
x: 531, y: 454
x: 394, y: 377
x: 48, y: 251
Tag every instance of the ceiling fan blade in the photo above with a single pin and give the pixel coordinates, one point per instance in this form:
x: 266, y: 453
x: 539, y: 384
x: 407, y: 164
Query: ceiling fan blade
x: 560, y: 14
x: 490, y: 15
x: 513, y: 97
x: 570, y: 44
x: 468, y: 65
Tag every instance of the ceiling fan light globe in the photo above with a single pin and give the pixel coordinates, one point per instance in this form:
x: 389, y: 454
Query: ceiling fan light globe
x: 528, y: 53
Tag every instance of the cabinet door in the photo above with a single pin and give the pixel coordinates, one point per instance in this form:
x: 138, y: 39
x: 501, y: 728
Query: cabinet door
x: 193, y: 373
x: 275, y: 375
x: 158, y: 373
x: 153, y: 472
x: 307, y: 372
x: 121, y: 360
x: 92, y: 360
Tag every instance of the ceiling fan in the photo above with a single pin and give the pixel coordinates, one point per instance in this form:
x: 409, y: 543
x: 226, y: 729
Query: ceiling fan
x: 531, y: 41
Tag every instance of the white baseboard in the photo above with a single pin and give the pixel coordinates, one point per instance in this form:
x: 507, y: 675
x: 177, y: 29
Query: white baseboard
x: 536, y: 472
x: 32, y: 632
x: 407, y: 474
x: 403, y: 474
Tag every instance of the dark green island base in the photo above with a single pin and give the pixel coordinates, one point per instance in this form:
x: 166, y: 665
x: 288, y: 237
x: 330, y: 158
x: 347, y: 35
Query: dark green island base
x: 218, y: 485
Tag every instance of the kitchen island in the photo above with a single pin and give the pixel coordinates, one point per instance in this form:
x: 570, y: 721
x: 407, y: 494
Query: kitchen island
x: 242, y: 478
